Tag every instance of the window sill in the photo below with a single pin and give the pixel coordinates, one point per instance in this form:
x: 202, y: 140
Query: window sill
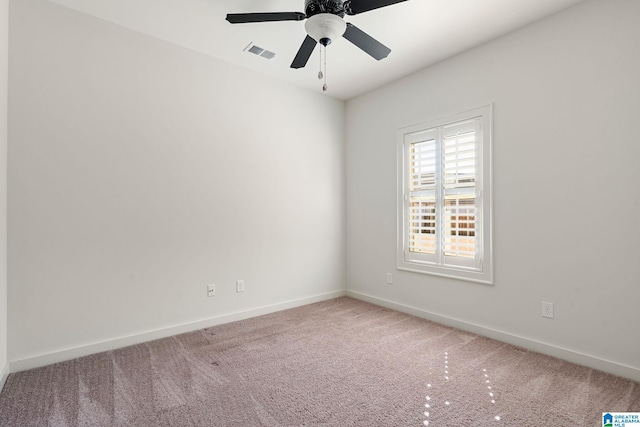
x: 483, y: 277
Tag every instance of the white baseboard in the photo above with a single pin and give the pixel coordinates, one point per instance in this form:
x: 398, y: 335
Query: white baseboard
x: 4, y: 373
x: 85, y: 350
x: 527, y: 343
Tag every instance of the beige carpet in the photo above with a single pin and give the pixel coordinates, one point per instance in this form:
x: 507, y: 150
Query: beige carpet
x: 337, y: 363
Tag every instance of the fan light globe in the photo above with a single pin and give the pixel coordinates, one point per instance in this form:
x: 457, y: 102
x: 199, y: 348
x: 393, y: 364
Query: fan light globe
x: 325, y: 27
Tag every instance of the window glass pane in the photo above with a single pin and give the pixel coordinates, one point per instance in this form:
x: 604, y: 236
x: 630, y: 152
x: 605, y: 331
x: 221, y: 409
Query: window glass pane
x: 460, y: 226
x: 422, y: 225
x: 459, y: 160
x: 422, y: 161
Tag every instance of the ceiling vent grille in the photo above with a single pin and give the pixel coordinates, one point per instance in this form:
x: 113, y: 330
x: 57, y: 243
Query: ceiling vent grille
x: 257, y: 50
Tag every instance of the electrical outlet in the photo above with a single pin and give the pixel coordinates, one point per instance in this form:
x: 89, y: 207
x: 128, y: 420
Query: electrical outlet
x: 389, y: 278
x: 547, y: 309
x: 239, y: 285
x: 211, y: 290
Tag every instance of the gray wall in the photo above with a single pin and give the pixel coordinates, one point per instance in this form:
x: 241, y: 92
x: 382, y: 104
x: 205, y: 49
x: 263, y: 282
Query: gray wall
x: 4, y: 32
x: 140, y: 172
x: 566, y: 100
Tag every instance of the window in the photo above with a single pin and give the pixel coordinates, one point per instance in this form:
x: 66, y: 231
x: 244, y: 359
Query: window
x: 444, y: 197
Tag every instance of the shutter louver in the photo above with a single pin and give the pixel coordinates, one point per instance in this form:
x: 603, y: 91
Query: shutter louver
x: 422, y: 203
x: 459, y: 178
x: 423, y: 166
x: 422, y: 225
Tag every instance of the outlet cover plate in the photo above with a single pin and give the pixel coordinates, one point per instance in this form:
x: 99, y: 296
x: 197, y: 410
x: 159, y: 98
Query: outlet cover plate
x: 547, y: 310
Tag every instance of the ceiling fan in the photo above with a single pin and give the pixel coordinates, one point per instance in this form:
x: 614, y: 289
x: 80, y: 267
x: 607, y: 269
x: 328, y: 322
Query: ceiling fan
x: 324, y: 24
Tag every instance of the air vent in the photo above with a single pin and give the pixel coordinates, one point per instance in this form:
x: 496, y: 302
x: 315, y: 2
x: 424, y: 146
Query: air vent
x: 267, y: 54
x: 257, y: 50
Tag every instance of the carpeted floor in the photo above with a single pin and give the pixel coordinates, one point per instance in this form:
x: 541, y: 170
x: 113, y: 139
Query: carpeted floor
x: 336, y: 363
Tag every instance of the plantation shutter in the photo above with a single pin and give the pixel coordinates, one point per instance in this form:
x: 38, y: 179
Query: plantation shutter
x: 440, y: 204
x: 460, y: 212
x: 444, y: 197
x: 423, y: 232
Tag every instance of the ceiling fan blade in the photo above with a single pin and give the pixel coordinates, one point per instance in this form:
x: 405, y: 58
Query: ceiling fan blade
x: 365, y: 42
x: 243, y: 18
x: 304, y: 53
x: 353, y: 7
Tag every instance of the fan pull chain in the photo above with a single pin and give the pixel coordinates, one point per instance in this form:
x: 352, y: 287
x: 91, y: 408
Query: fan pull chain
x: 324, y: 86
x: 322, y: 74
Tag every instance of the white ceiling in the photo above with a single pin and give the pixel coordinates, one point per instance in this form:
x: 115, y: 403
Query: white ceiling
x: 419, y: 33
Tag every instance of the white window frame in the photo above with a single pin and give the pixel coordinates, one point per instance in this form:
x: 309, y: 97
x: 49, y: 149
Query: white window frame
x: 479, y: 268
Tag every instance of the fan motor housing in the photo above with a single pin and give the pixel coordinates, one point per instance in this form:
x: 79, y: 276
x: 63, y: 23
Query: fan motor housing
x: 334, y: 7
x: 324, y: 27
